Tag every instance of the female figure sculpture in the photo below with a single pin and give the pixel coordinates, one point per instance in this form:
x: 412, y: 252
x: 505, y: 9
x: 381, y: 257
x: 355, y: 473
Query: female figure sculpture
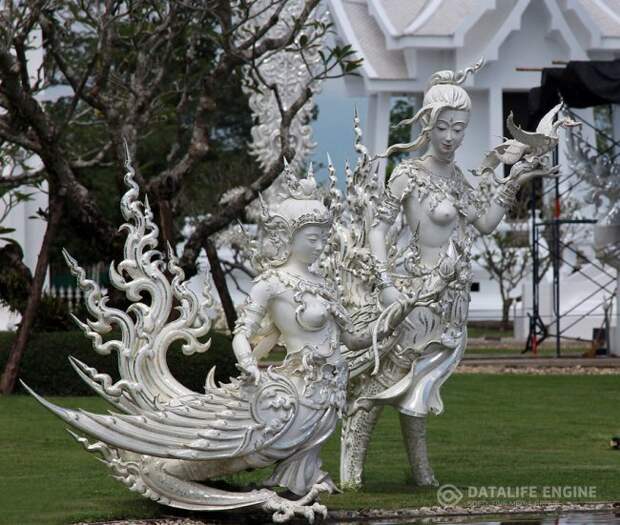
x: 167, y: 438
x: 441, y: 209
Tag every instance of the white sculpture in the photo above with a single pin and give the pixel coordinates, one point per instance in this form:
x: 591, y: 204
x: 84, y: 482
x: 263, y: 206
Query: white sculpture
x: 290, y: 71
x: 602, y: 174
x: 527, y: 144
x: 440, y: 210
x: 166, y: 438
x: 389, y: 316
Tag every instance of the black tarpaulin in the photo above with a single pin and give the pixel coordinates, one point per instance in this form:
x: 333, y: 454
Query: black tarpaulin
x: 581, y: 84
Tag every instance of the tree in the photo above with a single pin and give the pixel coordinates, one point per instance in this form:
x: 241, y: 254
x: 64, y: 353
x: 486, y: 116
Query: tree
x: 506, y: 254
x: 123, y: 65
x: 506, y: 257
x: 402, y: 109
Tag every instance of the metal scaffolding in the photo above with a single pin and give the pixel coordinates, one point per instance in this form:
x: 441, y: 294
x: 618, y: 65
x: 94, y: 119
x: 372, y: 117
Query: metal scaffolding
x: 538, y: 330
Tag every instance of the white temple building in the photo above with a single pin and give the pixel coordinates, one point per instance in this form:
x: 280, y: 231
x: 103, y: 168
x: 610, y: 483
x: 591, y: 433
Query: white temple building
x: 402, y: 42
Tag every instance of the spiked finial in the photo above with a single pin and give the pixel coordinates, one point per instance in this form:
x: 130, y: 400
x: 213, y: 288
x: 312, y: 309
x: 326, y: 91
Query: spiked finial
x: 127, y: 155
x: 263, y: 204
x: 331, y: 173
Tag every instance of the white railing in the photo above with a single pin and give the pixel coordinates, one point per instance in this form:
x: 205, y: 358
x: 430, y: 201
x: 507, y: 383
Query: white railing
x: 73, y: 295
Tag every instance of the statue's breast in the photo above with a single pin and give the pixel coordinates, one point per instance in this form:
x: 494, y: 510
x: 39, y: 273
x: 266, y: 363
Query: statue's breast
x: 300, y: 312
x: 443, y: 212
x: 312, y: 314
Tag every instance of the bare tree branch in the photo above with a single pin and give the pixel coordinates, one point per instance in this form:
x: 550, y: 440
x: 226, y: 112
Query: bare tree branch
x: 20, y: 180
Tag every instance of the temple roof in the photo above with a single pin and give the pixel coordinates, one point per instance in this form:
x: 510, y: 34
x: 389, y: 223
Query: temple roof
x: 390, y: 34
x: 402, y: 18
x: 605, y: 14
x: 362, y: 31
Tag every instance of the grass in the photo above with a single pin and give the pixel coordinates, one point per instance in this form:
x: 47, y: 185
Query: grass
x: 494, y: 332
x: 509, y: 431
x: 516, y: 351
x: 513, y: 350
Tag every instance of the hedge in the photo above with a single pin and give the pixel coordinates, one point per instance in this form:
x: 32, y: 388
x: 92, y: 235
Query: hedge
x: 45, y: 366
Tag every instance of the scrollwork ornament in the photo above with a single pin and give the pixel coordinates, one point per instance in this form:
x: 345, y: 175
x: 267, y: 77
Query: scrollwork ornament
x: 288, y: 70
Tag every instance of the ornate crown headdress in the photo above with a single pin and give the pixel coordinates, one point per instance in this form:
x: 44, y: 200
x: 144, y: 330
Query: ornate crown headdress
x: 297, y: 203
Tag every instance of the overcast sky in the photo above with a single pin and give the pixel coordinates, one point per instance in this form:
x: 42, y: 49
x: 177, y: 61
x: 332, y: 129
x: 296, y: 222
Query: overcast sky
x: 333, y: 130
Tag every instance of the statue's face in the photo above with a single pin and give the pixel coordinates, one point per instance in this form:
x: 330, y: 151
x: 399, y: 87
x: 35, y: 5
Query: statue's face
x: 449, y: 132
x: 308, y: 243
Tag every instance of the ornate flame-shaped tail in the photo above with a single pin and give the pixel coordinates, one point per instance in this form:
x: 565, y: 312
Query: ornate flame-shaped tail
x: 348, y: 259
x: 148, y: 327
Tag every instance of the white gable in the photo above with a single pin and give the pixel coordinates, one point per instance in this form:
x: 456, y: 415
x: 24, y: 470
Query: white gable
x: 403, y: 41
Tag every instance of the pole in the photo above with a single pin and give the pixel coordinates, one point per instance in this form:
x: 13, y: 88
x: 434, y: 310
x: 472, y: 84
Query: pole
x: 556, y: 256
x: 616, y: 346
x: 535, y: 313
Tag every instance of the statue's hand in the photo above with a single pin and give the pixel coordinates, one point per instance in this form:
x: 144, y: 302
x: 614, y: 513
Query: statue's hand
x: 524, y: 171
x: 249, y: 366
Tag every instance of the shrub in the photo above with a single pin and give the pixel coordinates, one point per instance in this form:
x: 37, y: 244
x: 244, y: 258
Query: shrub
x: 45, y: 366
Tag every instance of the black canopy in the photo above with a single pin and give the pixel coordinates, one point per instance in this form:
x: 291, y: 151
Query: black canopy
x: 581, y: 84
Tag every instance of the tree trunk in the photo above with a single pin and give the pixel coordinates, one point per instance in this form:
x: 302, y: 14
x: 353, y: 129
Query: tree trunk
x: 506, y: 304
x: 9, y: 376
x: 219, y: 279
x: 166, y: 223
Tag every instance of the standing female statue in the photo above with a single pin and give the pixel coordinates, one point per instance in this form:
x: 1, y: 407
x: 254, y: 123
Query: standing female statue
x: 441, y: 209
x: 165, y: 438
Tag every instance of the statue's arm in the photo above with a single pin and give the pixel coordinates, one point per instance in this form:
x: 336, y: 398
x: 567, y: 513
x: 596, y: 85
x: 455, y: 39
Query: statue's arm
x: 493, y: 215
x: 385, y: 216
x: 360, y: 339
x: 391, y: 318
x: 506, y: 193
x: 248, y: 323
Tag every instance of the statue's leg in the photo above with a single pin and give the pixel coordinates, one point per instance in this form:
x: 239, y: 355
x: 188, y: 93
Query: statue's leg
x: 414, y: 435
x: 300, y: 472
x: 355, y: 438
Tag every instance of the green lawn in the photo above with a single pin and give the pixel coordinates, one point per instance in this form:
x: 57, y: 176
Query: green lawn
x: 496, y: 431
x: 515, y: 350
x: 487, y: 331
x: 481, y: 351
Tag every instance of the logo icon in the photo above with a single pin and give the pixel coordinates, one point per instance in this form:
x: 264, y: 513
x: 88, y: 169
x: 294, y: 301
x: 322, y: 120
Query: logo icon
x: 449, y: 495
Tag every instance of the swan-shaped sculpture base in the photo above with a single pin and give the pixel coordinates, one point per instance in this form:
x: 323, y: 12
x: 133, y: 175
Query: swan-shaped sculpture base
x: 165, y: 439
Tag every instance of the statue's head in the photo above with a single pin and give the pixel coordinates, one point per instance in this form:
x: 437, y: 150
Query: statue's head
x: 297, y: 225
x: 444, y: 114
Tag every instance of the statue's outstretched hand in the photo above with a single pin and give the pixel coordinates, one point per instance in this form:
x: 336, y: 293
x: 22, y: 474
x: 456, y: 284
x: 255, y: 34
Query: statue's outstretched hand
x: 524, y: 171
x: 520, y: 173
x: 249, y: 366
